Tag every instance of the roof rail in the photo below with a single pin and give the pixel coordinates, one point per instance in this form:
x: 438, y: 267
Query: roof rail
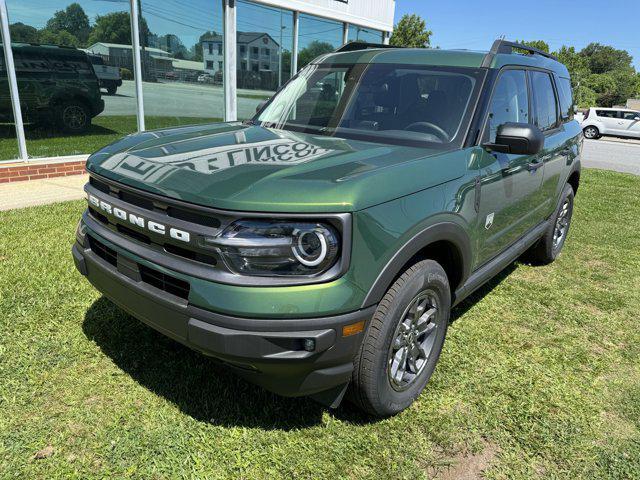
x: 357, y: 45
x: 504, y: 46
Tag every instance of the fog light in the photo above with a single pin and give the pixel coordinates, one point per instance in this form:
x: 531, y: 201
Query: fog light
x: 309, y: 344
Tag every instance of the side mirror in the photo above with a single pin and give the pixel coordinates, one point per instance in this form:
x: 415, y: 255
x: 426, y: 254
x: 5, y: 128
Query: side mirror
x: 636, y: 118
x: 261, y: 104
x: 518, y: 139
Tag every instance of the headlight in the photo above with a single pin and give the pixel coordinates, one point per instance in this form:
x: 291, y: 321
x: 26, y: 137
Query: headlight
x: 278, y: 248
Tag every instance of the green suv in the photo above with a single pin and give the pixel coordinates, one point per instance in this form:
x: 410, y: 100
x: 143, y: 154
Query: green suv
x: 56, y: 85
x: 318, y: 248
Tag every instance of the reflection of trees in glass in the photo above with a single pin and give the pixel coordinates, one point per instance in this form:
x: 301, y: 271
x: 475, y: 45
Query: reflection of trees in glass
x: 72, y: 20
x: 313, y: 50
x: 115, y: 27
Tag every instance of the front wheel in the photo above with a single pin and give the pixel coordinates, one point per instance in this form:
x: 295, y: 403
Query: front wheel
x: 403, y: 341
x: 591, y: 133
x: 111, y: 89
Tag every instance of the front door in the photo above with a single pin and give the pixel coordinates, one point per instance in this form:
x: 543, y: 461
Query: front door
x: 510, y: 185
x: 629, y: 124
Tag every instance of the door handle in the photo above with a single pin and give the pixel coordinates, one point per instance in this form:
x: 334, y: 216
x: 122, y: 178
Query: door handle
x: 533, y: 166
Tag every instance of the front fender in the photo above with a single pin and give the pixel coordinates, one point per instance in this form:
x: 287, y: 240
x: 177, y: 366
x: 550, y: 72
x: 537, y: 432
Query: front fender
x: 448, y: 231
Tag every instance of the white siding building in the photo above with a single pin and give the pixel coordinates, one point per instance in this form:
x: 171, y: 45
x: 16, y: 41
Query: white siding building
x: 255, y: 52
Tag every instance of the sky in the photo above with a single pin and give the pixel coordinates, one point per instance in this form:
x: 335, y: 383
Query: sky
x: 474, y: 24
x: 470, y: 24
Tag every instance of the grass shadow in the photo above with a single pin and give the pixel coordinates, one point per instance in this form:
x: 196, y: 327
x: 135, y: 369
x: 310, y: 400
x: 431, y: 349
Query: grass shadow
x: 464, y: 306
x: 206, y: 390
x: 198, y: 385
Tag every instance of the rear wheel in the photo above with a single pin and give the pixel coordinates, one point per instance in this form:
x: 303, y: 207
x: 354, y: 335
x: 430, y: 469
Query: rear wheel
x: 547, y: 249
x: 73, y: 116
x: 111, y: 89
x: 403, y: 341
x: 591, y: 133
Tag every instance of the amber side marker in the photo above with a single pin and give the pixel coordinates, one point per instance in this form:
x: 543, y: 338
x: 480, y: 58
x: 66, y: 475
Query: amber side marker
x: 352, y: 329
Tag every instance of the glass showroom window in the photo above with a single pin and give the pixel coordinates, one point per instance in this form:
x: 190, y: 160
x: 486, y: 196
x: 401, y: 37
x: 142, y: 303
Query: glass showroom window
x: 79, y: 88
x: 182, y: 59
x: 363, y: 34
x: 263, y: 49
x: 315, y: 37
x: 8, y: 142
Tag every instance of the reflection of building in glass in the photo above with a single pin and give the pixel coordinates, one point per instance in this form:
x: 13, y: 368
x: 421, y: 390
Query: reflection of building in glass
x: 258, y: 59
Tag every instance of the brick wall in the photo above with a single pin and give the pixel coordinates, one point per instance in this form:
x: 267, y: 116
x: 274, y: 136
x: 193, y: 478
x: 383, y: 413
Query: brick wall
x: 26, y: 171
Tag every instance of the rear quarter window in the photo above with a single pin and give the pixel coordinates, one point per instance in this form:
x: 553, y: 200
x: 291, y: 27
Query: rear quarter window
x: 566, y: 98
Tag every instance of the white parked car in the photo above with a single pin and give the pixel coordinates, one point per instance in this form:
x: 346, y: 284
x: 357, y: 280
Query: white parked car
x: 619, y: 122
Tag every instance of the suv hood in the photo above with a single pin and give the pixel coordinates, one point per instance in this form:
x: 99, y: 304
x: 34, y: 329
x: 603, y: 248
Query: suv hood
x: 240, y: 167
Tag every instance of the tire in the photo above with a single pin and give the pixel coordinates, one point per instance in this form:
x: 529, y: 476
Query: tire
x: 591, y: 132
x: 111, y: 89
x: 73, y: 116
x: 547, y: 249
x: 382, y: 383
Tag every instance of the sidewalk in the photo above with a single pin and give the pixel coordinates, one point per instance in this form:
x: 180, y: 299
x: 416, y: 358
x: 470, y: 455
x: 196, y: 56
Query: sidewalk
x: 41, y: 192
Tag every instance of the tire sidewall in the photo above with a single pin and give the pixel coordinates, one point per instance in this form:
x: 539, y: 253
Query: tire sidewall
x: 554, y: 252
x: 433, y: 278
x: 596, y: 134
x: 60, y: 117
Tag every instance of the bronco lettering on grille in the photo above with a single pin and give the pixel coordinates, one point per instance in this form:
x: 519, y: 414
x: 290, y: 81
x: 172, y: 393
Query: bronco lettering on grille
x: 154, y: 227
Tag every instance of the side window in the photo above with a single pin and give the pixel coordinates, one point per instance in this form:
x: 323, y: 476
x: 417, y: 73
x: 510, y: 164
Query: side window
x: 630, y: 115
x: 510, y: 102
x: 566, y: 98
x: 607, y: 113
x: 544, y: 100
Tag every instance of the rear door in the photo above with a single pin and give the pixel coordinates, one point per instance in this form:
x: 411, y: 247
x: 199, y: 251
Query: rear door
x: 552, y: 120
x: 509, y: 184
x: 609, y: 121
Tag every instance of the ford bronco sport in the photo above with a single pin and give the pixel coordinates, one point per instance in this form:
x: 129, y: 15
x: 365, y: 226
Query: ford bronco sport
x: 56, y: 85
x: 319, y: 247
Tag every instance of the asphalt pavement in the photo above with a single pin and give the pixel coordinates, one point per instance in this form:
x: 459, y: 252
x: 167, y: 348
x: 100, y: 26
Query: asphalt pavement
x: 612, y: 154
x: 179, y: 100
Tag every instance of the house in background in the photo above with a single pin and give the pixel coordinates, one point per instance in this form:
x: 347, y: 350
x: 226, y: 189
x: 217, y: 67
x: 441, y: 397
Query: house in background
x: 258, y: 59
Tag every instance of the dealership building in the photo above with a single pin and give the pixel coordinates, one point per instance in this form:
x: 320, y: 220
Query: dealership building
x: 182, y: 63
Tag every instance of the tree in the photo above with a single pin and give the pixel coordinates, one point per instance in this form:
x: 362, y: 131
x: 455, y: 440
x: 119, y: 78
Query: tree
x: 604, y: 58
x: 539, y: 44
x: 61, y: 37
x: 578, y: 67
x: 313, y: 50
x: 72, y: 20
x: 23, y: 33
x: 411, y: 31
x: 116, y: 28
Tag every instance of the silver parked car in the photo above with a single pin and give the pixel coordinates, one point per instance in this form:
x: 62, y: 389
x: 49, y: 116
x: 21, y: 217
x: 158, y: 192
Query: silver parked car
x: 620, y: 122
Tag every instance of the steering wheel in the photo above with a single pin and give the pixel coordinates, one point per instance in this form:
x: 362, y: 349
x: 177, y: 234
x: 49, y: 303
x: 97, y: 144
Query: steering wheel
x: 435, y: 129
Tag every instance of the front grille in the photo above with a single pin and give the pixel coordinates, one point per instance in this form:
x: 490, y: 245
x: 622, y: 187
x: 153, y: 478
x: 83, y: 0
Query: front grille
x: 100, y: 249
x: 157, y: 279
x: 134, y: 198
x: 165, y: 282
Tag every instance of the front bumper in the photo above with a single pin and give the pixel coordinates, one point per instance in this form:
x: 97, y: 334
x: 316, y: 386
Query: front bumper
x: 273, y: 353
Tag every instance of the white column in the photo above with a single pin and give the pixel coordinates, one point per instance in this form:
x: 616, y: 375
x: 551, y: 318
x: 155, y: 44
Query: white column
x: 137, y: 64
x: 13, y: 83
x: 345, y: 33
x: 229, y: 61
x: 294, y: 53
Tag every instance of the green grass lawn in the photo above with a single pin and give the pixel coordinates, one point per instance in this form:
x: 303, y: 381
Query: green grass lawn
x: 539, y: 377
x: 43, y: 142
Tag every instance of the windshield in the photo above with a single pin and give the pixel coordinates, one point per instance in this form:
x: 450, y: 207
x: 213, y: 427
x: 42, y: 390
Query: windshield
x: 376, y: 102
